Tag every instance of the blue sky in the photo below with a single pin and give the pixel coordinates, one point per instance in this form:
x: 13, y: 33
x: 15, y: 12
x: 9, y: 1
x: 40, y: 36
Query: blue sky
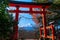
x: 25, y: 22
x: 24, y: 0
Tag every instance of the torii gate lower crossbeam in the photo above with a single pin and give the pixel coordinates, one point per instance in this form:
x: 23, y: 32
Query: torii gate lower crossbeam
x: 30, y: 6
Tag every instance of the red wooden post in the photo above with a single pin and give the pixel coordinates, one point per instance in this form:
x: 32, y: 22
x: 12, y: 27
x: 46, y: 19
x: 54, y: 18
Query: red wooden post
x: 15, y: 29
x: 43, y: 12
x: 16, y: 26
x: 44, y: 20
x: 53, y: 32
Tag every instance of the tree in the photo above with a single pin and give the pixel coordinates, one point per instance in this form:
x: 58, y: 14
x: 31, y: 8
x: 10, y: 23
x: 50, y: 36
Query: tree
x: 56, y: 1
x: 54, y: 8
x: 42, y: 1
x: 6, y: 21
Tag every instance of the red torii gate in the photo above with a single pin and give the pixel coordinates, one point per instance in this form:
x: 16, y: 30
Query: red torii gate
x: 43, y: 6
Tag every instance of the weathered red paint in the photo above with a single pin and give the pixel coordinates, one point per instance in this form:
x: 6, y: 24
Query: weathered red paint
x: 26, y: 5
x: 43, y: 7
x: 44, y: 21
x: 31, y: 12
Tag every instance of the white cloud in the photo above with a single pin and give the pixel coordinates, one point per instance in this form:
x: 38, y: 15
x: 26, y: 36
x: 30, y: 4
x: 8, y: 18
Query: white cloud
x: 25, y: 25
x: 23, y: 9
x: 11, y: 8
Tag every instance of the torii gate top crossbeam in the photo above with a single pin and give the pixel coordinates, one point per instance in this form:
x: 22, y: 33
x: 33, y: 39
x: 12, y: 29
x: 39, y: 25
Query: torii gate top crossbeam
x: 29, y: 4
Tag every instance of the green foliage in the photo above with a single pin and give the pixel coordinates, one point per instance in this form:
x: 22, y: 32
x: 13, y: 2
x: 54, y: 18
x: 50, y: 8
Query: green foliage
x: 39, y: 1
x: 42, y: 1
x: 56, y: 1
x: 45, y: 1
x: 5, y: 25
x: 6, y: 21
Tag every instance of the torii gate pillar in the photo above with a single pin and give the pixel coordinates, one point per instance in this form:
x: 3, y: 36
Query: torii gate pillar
x: 43, y: 6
